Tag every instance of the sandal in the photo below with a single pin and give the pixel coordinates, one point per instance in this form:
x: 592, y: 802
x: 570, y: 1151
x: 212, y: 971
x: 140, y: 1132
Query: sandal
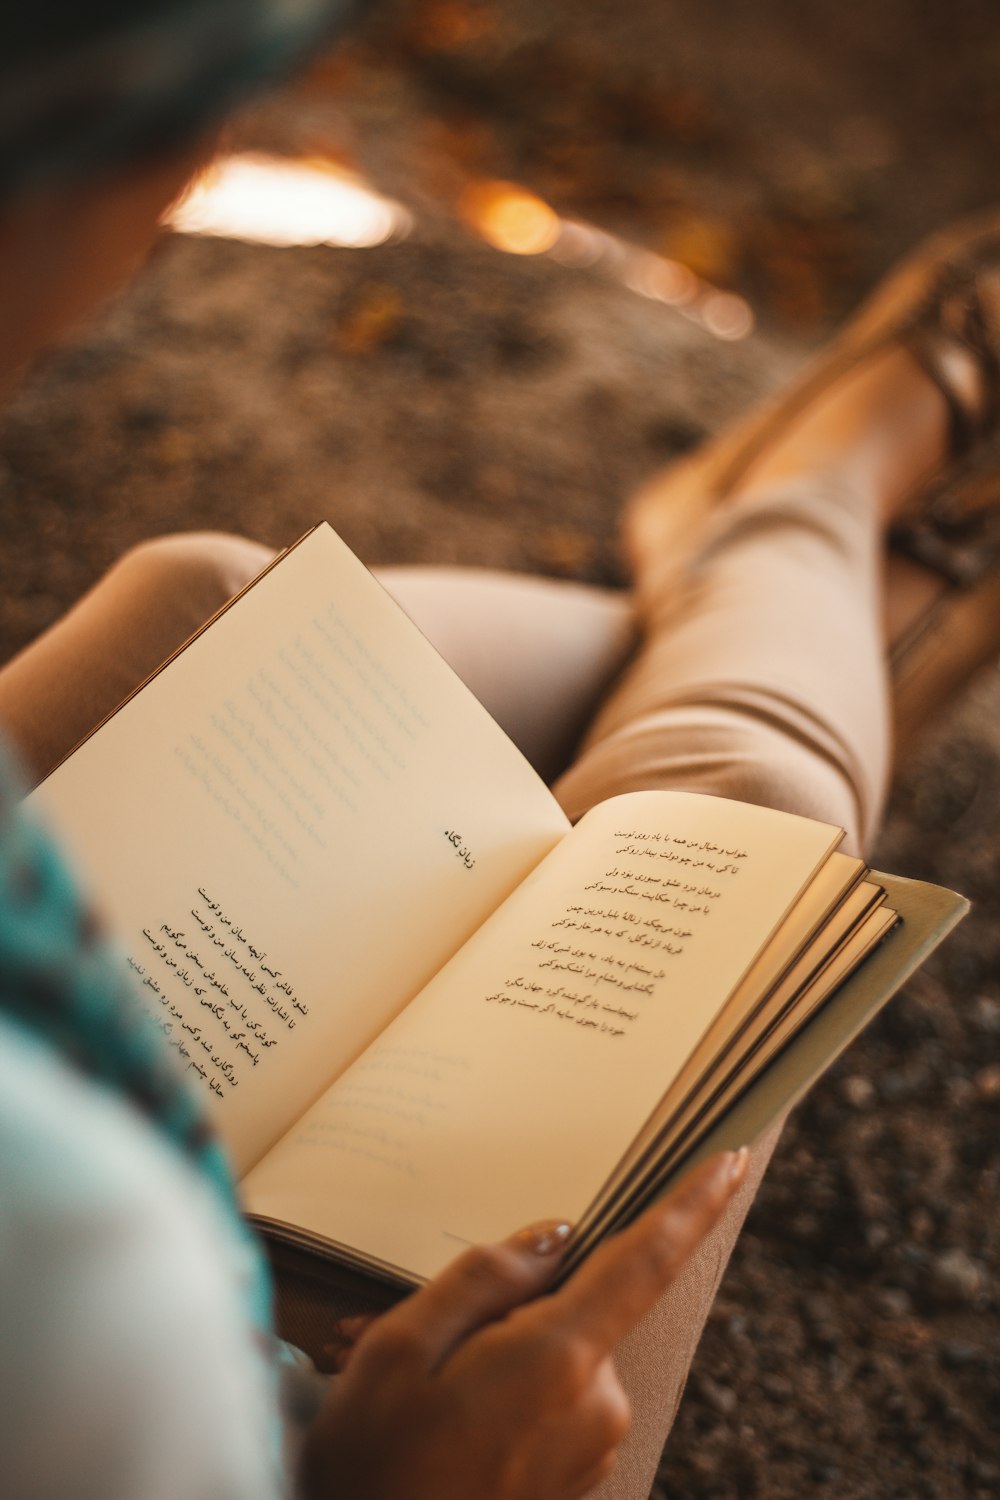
x: 942, y: 304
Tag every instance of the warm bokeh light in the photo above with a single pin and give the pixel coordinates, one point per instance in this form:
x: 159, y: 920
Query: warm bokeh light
x: 662, y: 280
x: 578, y: 244
x: 726, y: 315
x: 510, y: 218
x: 272, y: 201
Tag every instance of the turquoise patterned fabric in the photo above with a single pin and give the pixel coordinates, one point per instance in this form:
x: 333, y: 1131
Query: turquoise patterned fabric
x: 91, y: 84
x: 65, y: 984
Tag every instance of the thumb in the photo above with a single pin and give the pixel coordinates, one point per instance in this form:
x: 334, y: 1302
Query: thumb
x: 481, y: 1286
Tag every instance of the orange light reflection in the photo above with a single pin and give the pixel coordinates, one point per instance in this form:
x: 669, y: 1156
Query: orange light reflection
x: 510, y: 218
x: 513, y: 220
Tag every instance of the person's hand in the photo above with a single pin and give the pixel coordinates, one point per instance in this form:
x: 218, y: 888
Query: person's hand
x: 476, y: 1386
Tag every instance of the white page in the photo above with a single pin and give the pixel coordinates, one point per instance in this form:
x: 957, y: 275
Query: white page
x: 291, y: 827
x: 509, y: 1088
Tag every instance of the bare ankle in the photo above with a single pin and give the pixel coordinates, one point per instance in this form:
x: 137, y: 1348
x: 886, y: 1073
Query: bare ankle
x: 882, y: 428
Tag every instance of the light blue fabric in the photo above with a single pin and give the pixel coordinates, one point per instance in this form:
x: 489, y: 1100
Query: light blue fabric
x: 128, y: 1367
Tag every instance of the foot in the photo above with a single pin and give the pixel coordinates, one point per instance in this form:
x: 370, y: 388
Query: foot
x: 882, y: 429
x: 910, y: 387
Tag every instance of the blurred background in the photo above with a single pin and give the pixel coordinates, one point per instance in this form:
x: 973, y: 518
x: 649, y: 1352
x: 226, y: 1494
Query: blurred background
x: 487, y: 267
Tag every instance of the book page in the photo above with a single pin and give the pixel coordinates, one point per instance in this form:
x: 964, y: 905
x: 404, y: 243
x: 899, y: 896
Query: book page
x: 767, y: 1036
x: 509, y: 1088
x: 727, y: 1051
x: 927, y: 914
x: 613, y: 1209
x: 832, y: 905
x: 288, y: 829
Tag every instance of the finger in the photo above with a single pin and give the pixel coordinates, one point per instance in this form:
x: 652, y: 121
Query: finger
x: 623, y: 1279
x: 580, y: 1482
x: 346, y: 1333
x: 574, y: 1460
x: 337, y: 1357
x: 351, y: 1328
x: 585, y: 1483
x: 605, y: 1411
x: 479, y: 1287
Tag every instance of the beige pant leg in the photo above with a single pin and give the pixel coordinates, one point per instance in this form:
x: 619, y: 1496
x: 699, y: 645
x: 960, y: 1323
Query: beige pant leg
x: 159, y: 593
x: 761, y: 676
x: 539, y: 654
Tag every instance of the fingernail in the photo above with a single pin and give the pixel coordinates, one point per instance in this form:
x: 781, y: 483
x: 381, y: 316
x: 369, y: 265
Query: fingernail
x: 545, y: 1238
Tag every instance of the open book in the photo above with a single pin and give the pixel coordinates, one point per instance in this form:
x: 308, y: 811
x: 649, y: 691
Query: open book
x: 427, y: 1011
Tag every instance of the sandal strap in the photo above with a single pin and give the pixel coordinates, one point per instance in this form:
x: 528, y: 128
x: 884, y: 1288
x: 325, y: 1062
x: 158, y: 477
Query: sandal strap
x: 942, y: 305
x: 959, y: 323
x: 954, y: 529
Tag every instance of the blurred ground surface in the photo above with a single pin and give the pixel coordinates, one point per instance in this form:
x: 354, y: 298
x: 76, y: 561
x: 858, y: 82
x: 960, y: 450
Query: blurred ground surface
x: 439, y: 400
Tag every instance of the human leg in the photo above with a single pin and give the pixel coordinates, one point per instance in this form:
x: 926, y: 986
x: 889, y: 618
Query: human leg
x: 538, y: 653
x: 761, y: 673
x: 157, y: 595
x: 722, y: 699
x: 761, y: 676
